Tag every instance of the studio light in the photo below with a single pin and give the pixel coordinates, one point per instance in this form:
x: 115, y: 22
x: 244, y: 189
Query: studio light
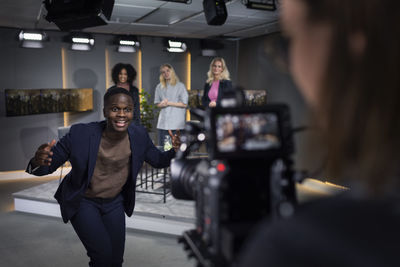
x: 127, y: 44
x: 215, y: 11
x: 32, y: 39
x: 178, y: 1
x: 80, y: 41
x: 78, y: 14
x: 268, y: 5
x: 175, y: 46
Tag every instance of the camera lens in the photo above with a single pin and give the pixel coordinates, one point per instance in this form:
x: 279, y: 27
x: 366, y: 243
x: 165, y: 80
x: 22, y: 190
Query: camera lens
x: 183, y: 178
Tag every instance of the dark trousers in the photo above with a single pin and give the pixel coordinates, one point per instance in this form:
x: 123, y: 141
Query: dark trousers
x: 100, y: 225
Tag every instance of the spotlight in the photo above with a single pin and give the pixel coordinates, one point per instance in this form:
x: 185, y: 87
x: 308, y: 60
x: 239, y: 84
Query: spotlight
x: 127, y: 44
x: 32, y: 39
x: 78, y: 14
x: 179, y: 1
x: 174, y: 46
x: 215, y: 11
x: 261, y: 4
x: 80, y: 41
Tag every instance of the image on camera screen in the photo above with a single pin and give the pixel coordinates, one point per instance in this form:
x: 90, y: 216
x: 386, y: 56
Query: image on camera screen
x: 247, y: 132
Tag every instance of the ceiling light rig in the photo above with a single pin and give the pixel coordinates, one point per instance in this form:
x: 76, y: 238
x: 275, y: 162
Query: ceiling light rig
x: 127, y: 44
x: 174, y: 46
x: 215, y: 12
x: 78, y: 14
x: 80, y: 41
x: 32, y: 39
x: 178, y: 1
x: 269, y: 5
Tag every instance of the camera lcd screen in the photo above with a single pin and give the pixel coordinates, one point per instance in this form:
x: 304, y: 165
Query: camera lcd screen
x: 246, y: 132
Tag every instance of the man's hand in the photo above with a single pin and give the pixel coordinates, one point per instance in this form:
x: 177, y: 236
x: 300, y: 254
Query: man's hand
x: 212, y: 104
x: 175, y: 139
x: 43, y: 154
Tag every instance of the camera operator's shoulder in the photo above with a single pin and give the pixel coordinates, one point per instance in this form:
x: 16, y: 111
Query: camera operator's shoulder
x: 328, y: 209
x: 321, y: 230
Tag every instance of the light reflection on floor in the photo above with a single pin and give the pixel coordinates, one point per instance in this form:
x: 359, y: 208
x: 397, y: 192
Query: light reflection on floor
x: 8, y: 187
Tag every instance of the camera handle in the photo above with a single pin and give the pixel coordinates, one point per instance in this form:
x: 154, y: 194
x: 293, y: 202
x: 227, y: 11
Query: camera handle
x: 283, y: 193
x: 193, y: 138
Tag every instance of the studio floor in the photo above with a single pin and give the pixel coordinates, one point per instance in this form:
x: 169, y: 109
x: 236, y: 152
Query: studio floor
x: 35, y: 240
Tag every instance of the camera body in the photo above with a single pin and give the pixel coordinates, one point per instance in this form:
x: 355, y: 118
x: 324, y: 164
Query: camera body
x: 246, y: 177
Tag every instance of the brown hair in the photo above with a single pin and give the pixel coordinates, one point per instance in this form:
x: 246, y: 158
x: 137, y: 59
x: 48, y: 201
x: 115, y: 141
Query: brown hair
x: 359, y: 98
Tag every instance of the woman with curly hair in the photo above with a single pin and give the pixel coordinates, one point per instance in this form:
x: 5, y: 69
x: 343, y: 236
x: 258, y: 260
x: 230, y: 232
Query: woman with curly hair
x: 123, y: 75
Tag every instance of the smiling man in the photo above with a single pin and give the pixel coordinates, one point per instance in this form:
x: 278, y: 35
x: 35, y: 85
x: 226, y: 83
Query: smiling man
x: 105, y: 158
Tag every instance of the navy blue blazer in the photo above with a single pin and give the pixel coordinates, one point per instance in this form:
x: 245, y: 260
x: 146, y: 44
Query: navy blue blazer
x: 225, y: 86
x: 80, y: 146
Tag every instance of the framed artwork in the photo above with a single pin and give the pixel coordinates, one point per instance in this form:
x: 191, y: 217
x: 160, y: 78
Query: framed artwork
x: 195, y: 98
x: 252, y: 98
x: 20, y: 102
x: 255, y: 97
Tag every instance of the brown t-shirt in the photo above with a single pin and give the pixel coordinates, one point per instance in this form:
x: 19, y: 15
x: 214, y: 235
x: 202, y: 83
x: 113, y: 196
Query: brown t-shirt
x: 112, y: 168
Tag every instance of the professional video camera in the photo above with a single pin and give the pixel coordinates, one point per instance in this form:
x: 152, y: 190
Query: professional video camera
x: 246, y: 176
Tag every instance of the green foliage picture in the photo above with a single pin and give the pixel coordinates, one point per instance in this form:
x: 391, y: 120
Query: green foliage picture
x: 148, y: 111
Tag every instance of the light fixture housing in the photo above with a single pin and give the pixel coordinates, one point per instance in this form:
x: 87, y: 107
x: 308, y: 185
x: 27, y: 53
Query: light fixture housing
x: 127, y: 44
x: 175, y: 46
x: 178, y: 1
x: 215, y: 11
x: 268, y: 5
x: 78, y: 14
x: 32, y: 39
x: 80, y: 41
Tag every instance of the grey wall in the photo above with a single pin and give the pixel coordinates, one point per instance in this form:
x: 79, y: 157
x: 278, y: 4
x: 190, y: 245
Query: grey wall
x: 24, y: 68
x: 199, y: 64
x: 247, y: 60
x: 259, y: 71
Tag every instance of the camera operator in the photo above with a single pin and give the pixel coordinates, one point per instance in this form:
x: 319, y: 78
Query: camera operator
x: 345, y: 58
x: 246, y: 176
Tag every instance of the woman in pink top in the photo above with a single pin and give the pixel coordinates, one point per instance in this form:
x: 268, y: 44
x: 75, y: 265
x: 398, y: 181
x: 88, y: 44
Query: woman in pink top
x: 217, y: 84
